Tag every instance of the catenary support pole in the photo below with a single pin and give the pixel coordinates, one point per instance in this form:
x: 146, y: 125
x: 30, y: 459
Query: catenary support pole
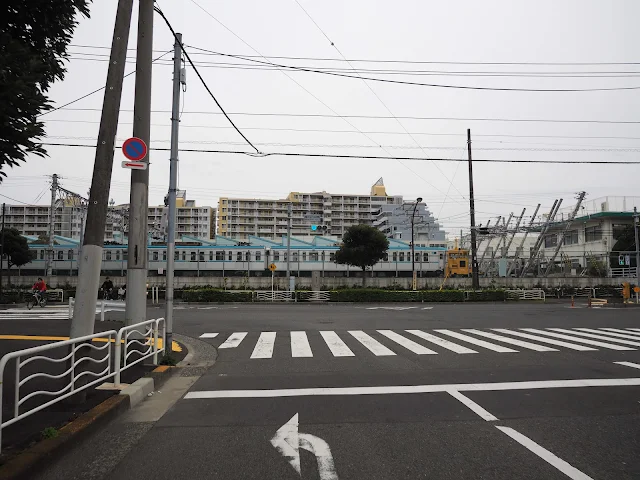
x: 137, y: 262
x: 289, y: 210
x: 475, y: 280
x: 89, y: 263
x: 173, y: 186
x: 2, y: 249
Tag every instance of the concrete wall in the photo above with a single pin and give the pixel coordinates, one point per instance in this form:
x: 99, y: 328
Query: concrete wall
x: 318, y: 283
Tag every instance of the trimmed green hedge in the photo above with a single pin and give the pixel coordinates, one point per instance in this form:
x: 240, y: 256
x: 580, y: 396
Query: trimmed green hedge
x: 212, y: 295
x: 374, y: 295
x: 487, y: 296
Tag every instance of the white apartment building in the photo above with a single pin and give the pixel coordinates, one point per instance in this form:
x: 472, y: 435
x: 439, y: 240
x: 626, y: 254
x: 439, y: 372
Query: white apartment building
x: 191, y: 220
x: 244, y: 217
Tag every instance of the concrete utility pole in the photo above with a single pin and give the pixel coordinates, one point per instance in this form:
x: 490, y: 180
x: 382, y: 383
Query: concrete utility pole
x: 636, y: 226
x: 413, y: 248
x: 475, y: 280
x: 137, y: 262
x: 52, y: 220
x: 2, y: 250
x: 173, y: 186
x: 289, y: 211
x: 89, y: 263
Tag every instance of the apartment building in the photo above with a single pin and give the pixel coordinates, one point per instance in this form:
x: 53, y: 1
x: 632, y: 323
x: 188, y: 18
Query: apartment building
x: 395, y: 222
x: 244, y: 217
x: 191, y: 220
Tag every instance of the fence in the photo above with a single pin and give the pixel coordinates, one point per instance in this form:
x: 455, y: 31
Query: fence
x: 536, y: 294
x: 627, y: 272
x: 313, y: 296
x: 274, y: 296
x: 102, y: 305
x: 111, y: 351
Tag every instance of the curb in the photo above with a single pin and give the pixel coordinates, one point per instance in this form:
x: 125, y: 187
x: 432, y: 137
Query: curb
x: 34, y: 459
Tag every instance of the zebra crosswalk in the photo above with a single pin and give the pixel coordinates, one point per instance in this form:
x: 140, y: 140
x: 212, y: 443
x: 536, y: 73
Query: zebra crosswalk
x: 47, y: 313
x: 388, y: 343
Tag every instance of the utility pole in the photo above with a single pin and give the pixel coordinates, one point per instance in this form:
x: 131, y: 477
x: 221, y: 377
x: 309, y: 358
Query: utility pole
x: 289, y: 211
x: 137, y: 262
x: 413, y: 248
x: 52, y: 219
x: 552, y: 260
x: 636, y: 226
x: 89, y: 263
x: 173, y: 186
x: 475, y: 281
x: 2, y: 250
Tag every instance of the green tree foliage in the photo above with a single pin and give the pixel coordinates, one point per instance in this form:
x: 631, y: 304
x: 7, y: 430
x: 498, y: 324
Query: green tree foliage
x: 34, y: 36
x: 626, y: 242
x: 362, y: 246
x: 16, y: 249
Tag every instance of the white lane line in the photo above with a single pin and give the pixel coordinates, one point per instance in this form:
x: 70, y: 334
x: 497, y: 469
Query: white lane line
x: 408, y: 389
x: 406, y: 343
x: 629, y: 364
x: 609, y: 334
x: 619, y: 330
x: 209, y: 335
x: 234, y: 340
x: 335, y: 344
x: 553, y: 460
x: 579, y: 340
x: 473, y: 406
x: 454, y: 347
x: 300, y: 345
x: 371, y: 344
x: 572, y: 346
x: 512, y: 341
x: 600, y: 336
x: 475, y: 341
x: 427, y: 308
x: 264, y: 347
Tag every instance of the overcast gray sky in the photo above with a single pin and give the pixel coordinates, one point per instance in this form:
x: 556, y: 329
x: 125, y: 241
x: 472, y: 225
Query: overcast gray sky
x: 544, y: 31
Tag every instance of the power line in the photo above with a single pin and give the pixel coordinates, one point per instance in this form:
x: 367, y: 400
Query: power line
x: 10, y: 198
x: 376, y: 117
x: 430, y: 62
x: 420, y: 84
x: 204, y: 84
x: 370, y: 157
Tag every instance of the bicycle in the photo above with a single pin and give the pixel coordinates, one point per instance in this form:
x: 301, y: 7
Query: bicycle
x: 37, y: 299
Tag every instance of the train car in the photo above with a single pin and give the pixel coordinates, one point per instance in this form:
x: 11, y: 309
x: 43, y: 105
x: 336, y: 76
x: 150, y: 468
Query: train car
x: 458, y: 263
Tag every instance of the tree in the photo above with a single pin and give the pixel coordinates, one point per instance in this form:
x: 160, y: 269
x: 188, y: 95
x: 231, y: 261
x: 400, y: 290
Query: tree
x: 34, y: 36
x: 362, y: 246
x: 626, y: 242
x: 16, y: 250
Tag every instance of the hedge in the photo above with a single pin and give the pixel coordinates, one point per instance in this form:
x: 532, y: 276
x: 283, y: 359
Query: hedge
x: 487, y: 296
x: 212, y: 295
x: 374, y: 295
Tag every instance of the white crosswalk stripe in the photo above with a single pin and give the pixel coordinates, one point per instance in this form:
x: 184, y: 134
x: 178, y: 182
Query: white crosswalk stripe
x: 475, y: 341
x: 234, y: 340
x: 371, y: 344
x: 406, y: 343
x: 264, y: 347
x: 38, y: 313
x: 511, y: 341
x: 552, y: 341
x: 579, y: 340
x: 300, y: 345
x: 628, y: 331
x: 335, y: 344
x: 597, y: 336
x: 454, y: 347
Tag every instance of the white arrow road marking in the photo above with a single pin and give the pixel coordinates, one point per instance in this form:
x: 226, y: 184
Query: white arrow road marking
x: 288, y: 442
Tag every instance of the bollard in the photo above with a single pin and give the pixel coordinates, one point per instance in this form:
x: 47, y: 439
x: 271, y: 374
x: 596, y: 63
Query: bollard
x: 572, y: 302
x: 589, y: 302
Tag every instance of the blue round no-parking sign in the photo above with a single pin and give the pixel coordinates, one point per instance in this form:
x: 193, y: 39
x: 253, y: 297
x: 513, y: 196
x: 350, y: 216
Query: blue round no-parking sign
x: 134, y: 148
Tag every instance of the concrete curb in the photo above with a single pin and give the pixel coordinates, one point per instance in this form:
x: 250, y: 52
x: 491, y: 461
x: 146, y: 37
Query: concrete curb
x: 26, y: 464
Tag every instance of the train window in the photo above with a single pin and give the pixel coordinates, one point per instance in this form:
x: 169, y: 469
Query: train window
x: 395, y: 256
x: 164, y: 255
x: 417, y: 257
x: 385, y: 258
x: 294, y: 256
x: 201, y: 256
x: 107, y: 256
x: 210, y: 255
x: 425, y: 257
x: 193, y: 256
x: 118, y: 255
x: 332, y: 257
x: 60, y: 255
x: 230, y: 256
x: 463, y: 263
x: 175, y: 256
x: 441, y: 256
x: 155, y: 256
x: 313, y: 256
x: 184, y: 256
x: 258, y: 256
x: 322, y: 256
x: 125, y: 254
x: 276, y: 256
x: 70, y: 255
x: 402, y: 256
x: 41, y: 254
x: 304, y: 256
x: 220, y: 255
x: 239, y: 256
x: 247, y: 256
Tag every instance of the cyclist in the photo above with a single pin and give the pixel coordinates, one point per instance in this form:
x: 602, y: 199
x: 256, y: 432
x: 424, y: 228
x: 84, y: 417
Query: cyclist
x: 40, y: 289
x: 107, y: 288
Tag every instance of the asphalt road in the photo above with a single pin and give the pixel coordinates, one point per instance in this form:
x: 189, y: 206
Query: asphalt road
x: 330, y: 392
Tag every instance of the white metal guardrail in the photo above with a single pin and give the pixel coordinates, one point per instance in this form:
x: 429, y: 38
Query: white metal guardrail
x: 139, y: 341
x: 121, y: 350
x: 628, y: 272
x: 102, y: 305
x: 36, y: 354
x: 314, y: 296
x: 57, y: 293
x: 275, y: 296
x: 535, y: 294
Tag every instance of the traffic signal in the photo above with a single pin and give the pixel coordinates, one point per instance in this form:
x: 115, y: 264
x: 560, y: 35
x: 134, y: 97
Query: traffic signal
x: 322, y: 228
